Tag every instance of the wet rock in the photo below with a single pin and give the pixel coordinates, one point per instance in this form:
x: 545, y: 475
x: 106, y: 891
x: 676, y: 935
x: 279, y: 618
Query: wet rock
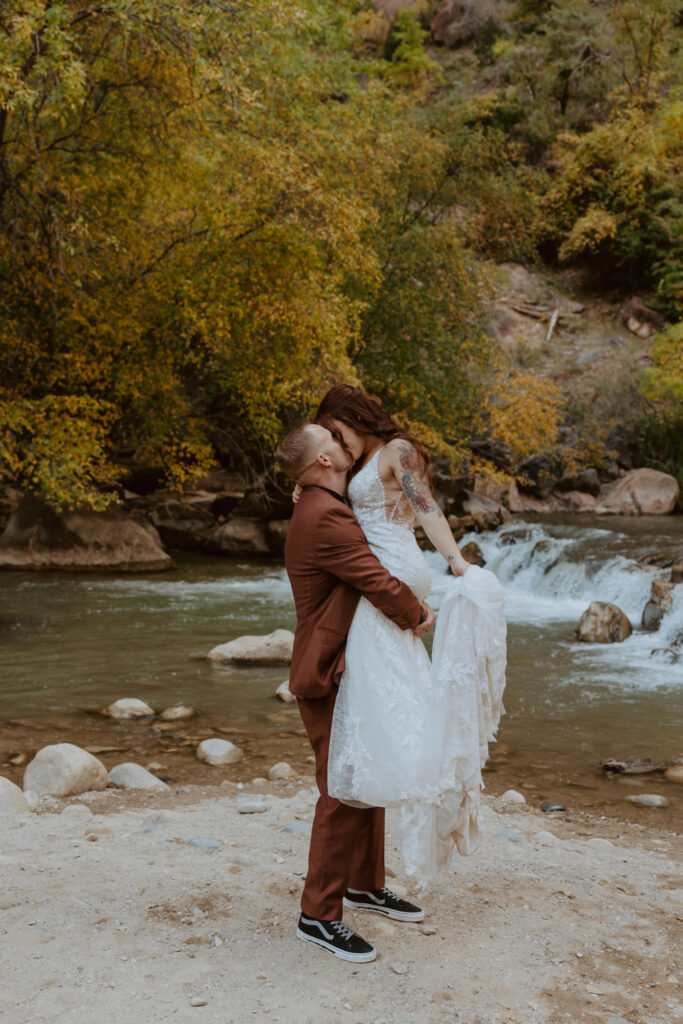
x: 460, y: 525
x: 674, y: 773
x: 218, y: 752
x: 548, y: 806
x: 281, y: 770
x: 128, y: 707
x: 660, y: 601
x: 472, y: 553
x: 487, y: 514
x: 511, y: 537
x: 237, y: 537
x: 283, y: 693
x: 666, y: 654
x: 12, y: 800
x: 519, y: 502
x: 677, y: 572
x: 635, y: 766
x: 587, y: 482
x: 133, y: 776
x: 37, y: 537
x: 63, y: 769
x: 178, y: 712
x: 275, y: 648
x: 541, y: 548
x: 640, y: 492
x: 647, y: 800
x: 603, y: 623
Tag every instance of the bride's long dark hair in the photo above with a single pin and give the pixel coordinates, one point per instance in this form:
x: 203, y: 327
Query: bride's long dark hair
x: 363, y: 413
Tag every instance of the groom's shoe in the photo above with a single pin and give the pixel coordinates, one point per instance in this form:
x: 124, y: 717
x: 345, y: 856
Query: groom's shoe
x: 383, y: 901
x: 337, y: 938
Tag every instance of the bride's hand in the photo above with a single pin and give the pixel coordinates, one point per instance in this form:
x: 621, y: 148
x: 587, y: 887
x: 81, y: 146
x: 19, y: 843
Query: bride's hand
x: 458, y: 565
x: 296, y: 493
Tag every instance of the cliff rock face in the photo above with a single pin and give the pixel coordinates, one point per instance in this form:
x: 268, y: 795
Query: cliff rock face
x: 37, y: 537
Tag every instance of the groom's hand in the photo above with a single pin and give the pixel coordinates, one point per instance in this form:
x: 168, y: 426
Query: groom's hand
x: 427, y: 623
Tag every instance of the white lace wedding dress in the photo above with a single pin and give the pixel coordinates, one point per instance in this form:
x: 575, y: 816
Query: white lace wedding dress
x: 408, y: 732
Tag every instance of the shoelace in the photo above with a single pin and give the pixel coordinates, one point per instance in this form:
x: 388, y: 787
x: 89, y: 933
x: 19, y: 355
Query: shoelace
x: 387, y: 892
x: 343, y: 929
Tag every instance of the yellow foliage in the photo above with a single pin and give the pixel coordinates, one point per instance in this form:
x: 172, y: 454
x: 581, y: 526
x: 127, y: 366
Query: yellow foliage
x: 523, y: 412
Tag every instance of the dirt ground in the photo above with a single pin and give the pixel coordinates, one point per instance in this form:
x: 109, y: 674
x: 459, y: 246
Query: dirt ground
x: 111, y: 914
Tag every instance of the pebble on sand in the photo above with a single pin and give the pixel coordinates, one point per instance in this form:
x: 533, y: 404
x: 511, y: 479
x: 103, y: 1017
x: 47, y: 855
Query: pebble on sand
x: 12, y: 800
x: 281, y: 770
x: 510, y: 800
x: 133, y: 776
x: 251, y: 803
x: 128, y: 707
x: 218, y: 752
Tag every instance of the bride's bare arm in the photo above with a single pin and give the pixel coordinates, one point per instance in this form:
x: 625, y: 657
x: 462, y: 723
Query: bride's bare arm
x: 408, y: 472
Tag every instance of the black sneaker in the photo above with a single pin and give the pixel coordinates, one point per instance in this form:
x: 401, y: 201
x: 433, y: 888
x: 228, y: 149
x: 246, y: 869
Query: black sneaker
x: 337, y: 938
x: 383, y: 901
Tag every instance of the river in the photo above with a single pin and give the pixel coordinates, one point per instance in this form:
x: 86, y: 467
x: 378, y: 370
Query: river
x: 74, y: 641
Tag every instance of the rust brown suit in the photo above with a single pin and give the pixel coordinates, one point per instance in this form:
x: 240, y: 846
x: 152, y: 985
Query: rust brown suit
x: 330, y: 566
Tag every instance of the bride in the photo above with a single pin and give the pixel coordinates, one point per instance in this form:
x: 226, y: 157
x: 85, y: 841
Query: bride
x: 407, y: 732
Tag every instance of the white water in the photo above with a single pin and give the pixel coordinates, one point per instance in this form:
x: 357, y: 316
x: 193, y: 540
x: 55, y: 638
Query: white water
x: 551, y: 586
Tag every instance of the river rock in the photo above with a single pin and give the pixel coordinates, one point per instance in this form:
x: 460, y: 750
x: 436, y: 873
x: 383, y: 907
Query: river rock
x: 128, y: 707
x: 648, y: 800
x: 586, y: 482
x: 237, y: 537
x: 660, y: 601
x: 674, y: 773
x: 472, y: 553
x: 283, y: 693
x: 281, y: 770
x: 677, y: 572
x: 37, y: 537
x: 12, y: 800
x: 133, y: 776
x: 576, y: 501
x: 64, y: 770
x: 275, y: 648
x: 509, y: 800
x: 487, y: 514
x: 251, y: 803
x: 644, y: 492
x: 603, y: 623
x: 518, y: 536
x: 177, y: 713
x: 276, y: 535
x: 218, y: 752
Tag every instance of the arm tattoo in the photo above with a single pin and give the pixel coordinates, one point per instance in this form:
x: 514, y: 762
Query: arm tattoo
x: 417, y: 493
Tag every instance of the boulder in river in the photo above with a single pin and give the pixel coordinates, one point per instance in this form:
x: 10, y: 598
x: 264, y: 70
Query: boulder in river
x: 586, y: 482
x: 647, y: 800
x: 64, y: 769
x: 128, y: 707
x: 659, y: 602
x: 237, y: 537
x: 283, y: 693
x: 603, y: 623
x: 487, y: 514
x: 273, y: 649
x: 472, y: 553
x: 177, y: 713
x: 37, y: 537
x: 677, y: 572
x: 646, y: 492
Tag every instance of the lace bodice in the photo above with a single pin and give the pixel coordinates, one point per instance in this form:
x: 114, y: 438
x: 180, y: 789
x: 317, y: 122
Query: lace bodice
x: 369, y: 500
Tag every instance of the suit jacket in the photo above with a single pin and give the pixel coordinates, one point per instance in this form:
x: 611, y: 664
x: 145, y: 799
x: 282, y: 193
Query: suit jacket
x: 330, y: 565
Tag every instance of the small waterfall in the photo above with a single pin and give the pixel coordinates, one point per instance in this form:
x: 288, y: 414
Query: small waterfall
x: 552, y: 573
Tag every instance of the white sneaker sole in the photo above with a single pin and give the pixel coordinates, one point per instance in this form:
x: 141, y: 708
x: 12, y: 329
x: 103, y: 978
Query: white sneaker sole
x: 395, y: 915
x: 356, y: 958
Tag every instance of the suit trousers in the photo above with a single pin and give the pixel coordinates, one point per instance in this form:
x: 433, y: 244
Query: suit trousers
x: 347, y: 843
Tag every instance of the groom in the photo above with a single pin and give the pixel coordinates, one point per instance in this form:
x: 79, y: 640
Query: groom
x: 330, y: 566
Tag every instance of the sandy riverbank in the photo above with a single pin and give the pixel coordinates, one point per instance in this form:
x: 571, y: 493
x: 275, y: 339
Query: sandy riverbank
x: 555, y: 919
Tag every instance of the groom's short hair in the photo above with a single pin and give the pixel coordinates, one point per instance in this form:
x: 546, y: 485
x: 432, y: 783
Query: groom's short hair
x: 297, y: 450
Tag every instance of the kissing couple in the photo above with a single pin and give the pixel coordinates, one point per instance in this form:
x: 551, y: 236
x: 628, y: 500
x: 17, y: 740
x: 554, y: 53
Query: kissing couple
x: 388, y: 727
